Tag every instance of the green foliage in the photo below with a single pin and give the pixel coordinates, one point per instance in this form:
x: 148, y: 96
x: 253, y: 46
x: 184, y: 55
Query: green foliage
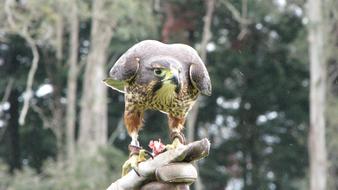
x: 36, y: 150
x: 86, y: 173
x: 252, y: 78
x: 131, y: 19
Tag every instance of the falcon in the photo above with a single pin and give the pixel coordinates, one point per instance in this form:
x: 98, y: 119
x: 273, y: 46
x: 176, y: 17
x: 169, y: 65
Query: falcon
x: 164, y: 77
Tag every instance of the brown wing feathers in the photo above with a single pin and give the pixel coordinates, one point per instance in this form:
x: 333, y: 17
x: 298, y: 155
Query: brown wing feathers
x: 125, y: 68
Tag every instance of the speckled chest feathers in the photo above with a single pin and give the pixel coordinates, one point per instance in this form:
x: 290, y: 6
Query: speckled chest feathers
x: 165, y: 97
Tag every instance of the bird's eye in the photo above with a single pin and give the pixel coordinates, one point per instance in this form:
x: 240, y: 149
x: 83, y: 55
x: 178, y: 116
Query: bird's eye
x: 158, y: 72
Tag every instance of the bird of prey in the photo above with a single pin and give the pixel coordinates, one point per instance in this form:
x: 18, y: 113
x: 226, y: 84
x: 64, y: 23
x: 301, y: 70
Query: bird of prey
x: 158, y: 76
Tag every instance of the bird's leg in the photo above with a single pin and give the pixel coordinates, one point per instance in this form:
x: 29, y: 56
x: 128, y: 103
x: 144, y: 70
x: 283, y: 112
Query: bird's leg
x: 137, y: 155
x: 176, y: 125
x: 133, y: 122
x: 134, y: 139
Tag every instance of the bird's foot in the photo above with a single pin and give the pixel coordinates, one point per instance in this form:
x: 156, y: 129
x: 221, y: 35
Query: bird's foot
x: 179, y: 140
x: 137, y: 155
x: 175, y: 144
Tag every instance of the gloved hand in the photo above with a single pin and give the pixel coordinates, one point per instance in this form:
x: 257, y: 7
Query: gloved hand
x: 173, y: 176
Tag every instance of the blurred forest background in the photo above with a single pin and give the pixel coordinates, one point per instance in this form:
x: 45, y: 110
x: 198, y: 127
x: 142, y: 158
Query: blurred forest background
x: 62, y: 128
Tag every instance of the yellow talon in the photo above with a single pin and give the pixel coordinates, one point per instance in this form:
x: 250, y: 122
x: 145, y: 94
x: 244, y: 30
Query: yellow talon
x: 142, y: 156
x: 133, y: 161
x: 176, y: 143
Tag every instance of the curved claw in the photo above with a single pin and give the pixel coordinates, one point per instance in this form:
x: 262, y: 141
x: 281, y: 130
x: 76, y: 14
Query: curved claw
x: 129, y: 164
x: 134, y: 160
x: 149, y: 154
x: 136, y: 171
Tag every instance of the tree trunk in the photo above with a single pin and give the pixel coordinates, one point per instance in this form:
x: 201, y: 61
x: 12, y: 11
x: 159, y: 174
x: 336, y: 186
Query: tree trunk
x: 72, y: 82
x: 93, y: 123
x: 317, y: 146
x: 57, y: 108
x: 192, y: 117
x: 59, y: 40
x: 331, y: 15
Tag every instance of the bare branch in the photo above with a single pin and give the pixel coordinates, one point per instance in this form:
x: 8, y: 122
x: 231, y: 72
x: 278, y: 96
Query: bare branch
x: 244, y: 25
x: 210, y: 5
x: 24, y: 34
x: 118, y: 129
x: 235, y: 13
x: 10, y: 19
x: 43, y: 117
x: 59, y: 39
x: 30, y: 79
x: 7, y: 90
x: 241, y: 19
x: 4, y: 99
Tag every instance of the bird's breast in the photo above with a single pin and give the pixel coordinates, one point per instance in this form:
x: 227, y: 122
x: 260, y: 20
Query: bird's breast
x: 176, y: 104
x: 165, y: 95
x: 164, y: 99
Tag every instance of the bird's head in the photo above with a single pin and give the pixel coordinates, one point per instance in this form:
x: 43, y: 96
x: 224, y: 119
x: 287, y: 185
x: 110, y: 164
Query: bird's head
x: 167, y: 76
x: 160, y: 69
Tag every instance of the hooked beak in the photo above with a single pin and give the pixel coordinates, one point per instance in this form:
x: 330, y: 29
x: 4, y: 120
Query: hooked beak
x: 173, y: 77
